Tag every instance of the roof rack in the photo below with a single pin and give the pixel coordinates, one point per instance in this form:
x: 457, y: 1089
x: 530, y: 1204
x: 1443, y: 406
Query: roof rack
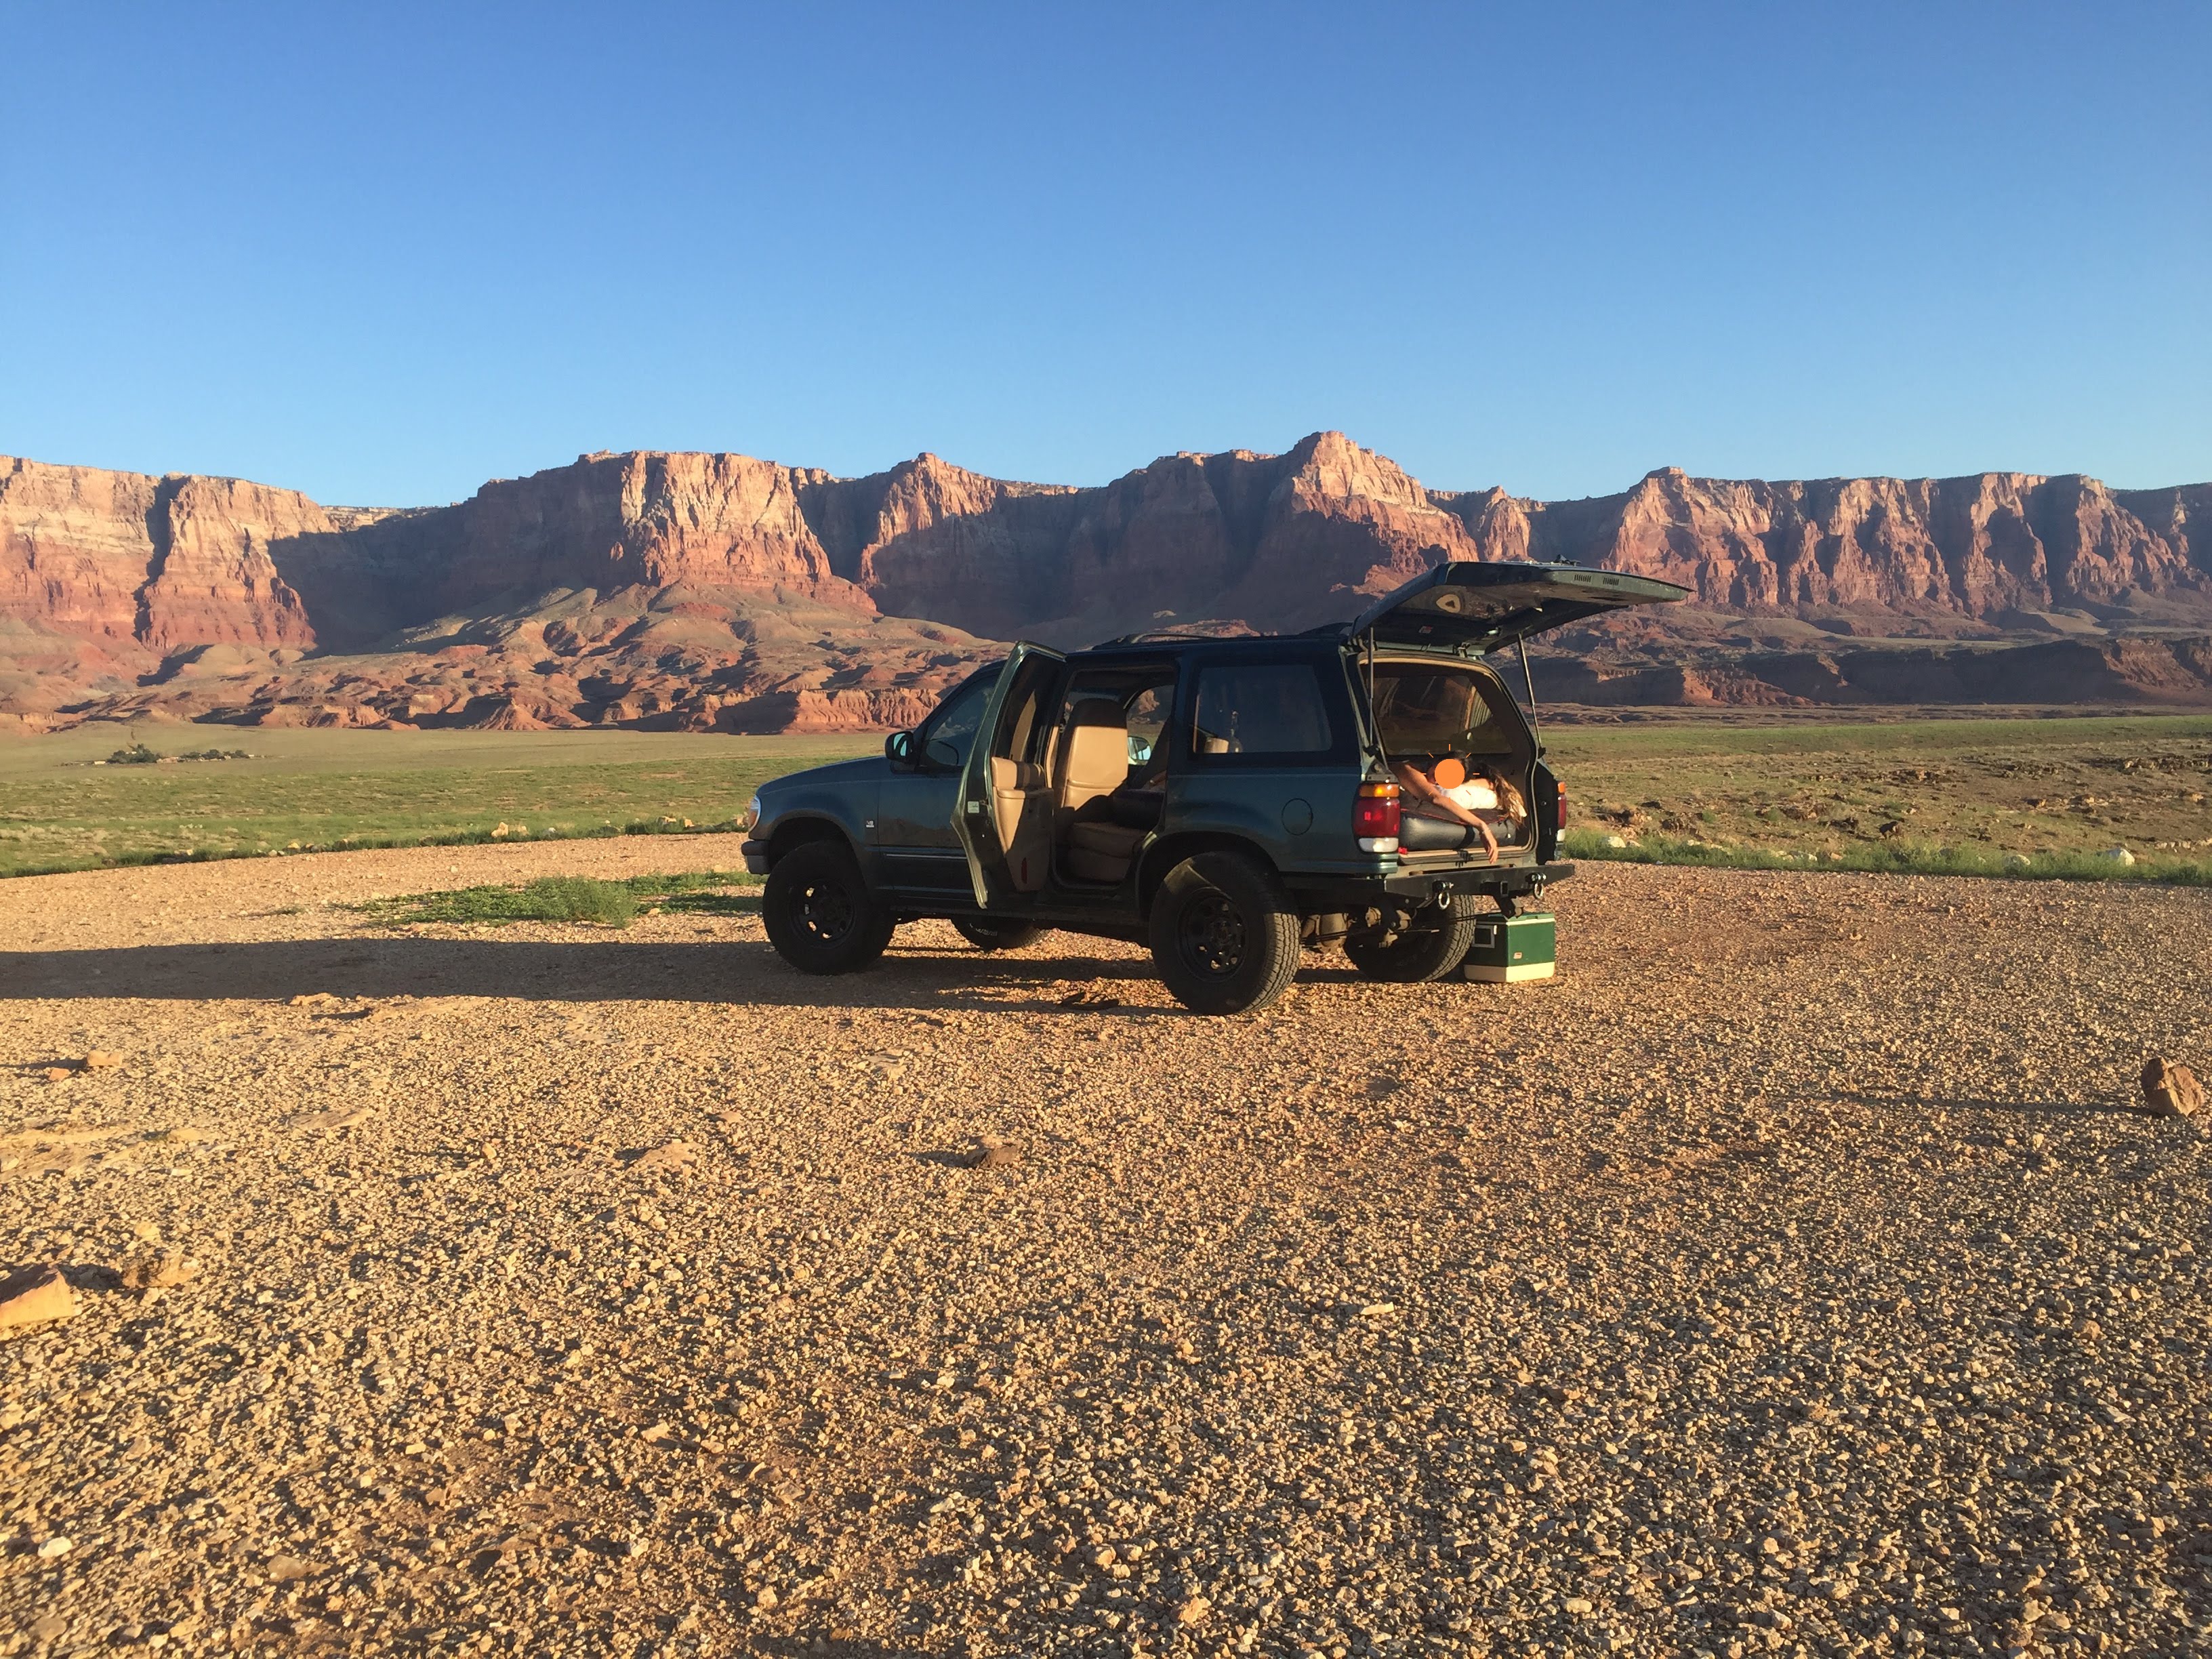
x: 1156, y: 636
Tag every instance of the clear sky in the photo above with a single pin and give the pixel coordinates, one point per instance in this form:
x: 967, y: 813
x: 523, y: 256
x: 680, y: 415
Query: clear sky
x: 381, y: 254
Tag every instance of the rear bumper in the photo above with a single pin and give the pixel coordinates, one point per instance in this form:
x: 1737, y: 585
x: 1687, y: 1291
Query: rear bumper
x: 1520, y: 883
x: 754, y: 853
x: 1324, y: 893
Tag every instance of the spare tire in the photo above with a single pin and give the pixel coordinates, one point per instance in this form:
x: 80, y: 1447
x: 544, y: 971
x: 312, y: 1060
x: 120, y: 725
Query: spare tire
x: 1431, y: 947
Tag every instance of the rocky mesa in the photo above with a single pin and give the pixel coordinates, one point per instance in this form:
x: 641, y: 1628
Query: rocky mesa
x: 1985, y: 548
x: 720, y: 592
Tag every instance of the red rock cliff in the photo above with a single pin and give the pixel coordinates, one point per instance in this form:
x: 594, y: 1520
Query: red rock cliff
x: 160, y: 564
x: 1974, y: 547
x: 1273, y: 540
x: 607, y: 522
x: 104, y: 577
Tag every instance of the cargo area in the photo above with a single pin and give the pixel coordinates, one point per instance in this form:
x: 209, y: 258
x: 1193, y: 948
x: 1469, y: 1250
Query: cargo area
x: 1429, y: 712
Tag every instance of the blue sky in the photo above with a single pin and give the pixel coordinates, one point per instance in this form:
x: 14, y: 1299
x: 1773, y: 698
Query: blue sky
x: 382, y: 254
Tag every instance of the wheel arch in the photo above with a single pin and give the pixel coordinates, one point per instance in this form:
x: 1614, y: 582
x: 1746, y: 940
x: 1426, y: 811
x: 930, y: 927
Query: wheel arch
x: 1172, y: 850
x: 799, y: 830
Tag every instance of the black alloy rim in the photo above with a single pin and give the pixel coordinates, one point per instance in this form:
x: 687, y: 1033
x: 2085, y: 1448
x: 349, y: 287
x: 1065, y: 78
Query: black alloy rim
x: 825, y: 909
x: 1212, y: 934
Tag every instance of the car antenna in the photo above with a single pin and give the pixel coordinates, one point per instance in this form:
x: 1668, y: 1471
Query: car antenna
x: 1530, y: 680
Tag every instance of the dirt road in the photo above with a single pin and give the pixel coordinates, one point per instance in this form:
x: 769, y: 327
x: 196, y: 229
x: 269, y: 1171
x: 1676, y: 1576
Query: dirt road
x: 1791, y: 1275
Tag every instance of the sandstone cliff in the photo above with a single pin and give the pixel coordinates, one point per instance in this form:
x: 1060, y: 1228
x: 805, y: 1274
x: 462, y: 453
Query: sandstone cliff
x: 605, y: 523
x: 1273, y: 541
x: 705, y: 590
x: 117, y: 556
x: 1976, y: 549
x: 1279, y: 542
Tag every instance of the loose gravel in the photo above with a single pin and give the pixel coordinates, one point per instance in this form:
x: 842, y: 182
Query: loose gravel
x: 1794, y: 1274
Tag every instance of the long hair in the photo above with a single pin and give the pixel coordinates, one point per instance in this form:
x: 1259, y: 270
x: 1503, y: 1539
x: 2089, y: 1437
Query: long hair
x: 1509, y: 798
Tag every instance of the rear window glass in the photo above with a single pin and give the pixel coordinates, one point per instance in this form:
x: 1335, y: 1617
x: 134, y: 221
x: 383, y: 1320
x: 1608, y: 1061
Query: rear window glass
x: 1263, y: 709
x: 1420, y: 710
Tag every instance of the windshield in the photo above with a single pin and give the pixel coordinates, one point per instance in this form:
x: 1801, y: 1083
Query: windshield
x: 949, y: 731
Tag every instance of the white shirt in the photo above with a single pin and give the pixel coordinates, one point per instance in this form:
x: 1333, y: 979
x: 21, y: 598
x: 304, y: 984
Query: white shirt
x: 1475, y: 795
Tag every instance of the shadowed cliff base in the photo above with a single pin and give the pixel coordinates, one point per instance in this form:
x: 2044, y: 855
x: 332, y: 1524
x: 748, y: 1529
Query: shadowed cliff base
x: 2173, y: 670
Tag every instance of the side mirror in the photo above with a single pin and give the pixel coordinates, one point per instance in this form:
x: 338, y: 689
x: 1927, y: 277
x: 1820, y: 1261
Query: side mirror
x: 898, y: 749
x: 940, y: 753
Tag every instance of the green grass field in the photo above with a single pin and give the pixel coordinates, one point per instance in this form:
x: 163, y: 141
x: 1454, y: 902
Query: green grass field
x: 1973, y: 796
x: 575, y: 899
x: 305, y: 791
x: 2007, y: 797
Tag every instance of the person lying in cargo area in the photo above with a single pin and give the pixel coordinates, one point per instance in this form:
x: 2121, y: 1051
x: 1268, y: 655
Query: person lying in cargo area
x: 1448, y: 808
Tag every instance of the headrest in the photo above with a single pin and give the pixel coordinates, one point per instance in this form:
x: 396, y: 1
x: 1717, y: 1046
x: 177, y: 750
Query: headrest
x: 1097, y: 711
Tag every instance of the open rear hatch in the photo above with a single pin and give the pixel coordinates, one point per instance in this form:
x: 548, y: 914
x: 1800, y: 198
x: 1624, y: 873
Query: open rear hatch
x: 1473, y: 608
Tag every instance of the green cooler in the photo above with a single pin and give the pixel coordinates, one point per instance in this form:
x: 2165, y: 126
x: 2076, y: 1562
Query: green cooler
x: 1508, y: 949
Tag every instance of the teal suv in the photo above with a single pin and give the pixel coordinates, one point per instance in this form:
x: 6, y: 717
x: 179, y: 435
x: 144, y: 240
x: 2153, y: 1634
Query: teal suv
x: 1230, y: 802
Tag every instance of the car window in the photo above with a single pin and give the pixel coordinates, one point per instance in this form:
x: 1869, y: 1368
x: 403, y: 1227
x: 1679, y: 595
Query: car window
x: 1148, y: 715
x: 951, y: 729
x: 1019, y: 727
x: 1147, y: 696
x: 1260, y: 710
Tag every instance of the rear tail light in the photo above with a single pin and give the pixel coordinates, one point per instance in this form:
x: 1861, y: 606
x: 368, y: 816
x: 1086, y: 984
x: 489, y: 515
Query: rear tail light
x: 1560, y: 810
x: 1375, y: 816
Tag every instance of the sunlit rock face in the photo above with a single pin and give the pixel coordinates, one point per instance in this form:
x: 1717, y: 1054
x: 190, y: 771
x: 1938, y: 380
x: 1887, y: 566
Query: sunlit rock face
x: 1974, y: 547
x: 720, y: 592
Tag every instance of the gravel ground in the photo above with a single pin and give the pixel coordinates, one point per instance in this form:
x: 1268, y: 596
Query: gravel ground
x: 1792, y: 1275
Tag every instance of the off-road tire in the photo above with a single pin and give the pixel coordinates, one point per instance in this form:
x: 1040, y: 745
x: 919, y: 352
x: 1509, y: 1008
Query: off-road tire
x: 1436, y: 945
x: 984, y: 934
x: 820, y: 915
x: 1224, y: 934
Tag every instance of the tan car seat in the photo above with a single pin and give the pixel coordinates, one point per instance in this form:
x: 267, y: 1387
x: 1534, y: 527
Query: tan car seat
x: 1093, y: 762
x: 1021, y: 808
x: 1099, y: 849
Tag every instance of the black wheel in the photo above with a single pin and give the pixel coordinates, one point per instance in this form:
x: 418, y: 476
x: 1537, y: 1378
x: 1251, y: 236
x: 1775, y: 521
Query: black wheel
x: 1431, y: 948
x: 1223, y: 934
x: 984, y: 934
x: 820, y: 915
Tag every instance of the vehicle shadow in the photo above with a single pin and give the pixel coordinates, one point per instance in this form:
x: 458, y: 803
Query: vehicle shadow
x: 740, y: 971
